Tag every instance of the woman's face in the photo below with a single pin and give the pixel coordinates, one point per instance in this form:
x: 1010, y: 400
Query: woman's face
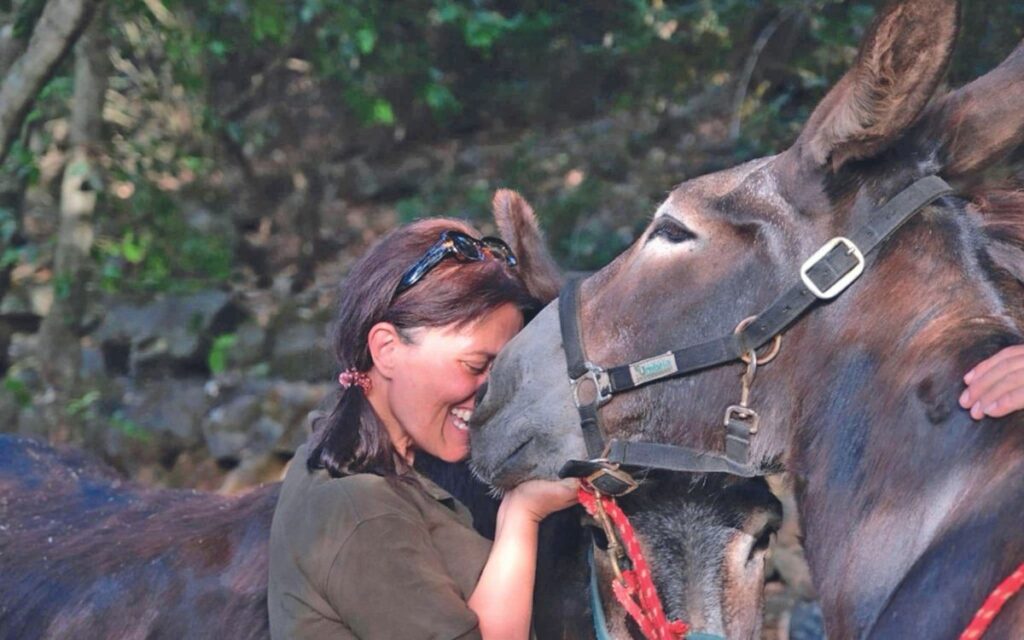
x: 431, y: 393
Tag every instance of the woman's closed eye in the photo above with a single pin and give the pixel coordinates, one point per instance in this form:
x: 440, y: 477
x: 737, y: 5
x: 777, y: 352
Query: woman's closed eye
x: 672, y: 230
x: 477, y: 368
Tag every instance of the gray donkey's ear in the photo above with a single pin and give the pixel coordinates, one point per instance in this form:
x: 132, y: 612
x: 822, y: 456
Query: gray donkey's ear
x: 518, y: 226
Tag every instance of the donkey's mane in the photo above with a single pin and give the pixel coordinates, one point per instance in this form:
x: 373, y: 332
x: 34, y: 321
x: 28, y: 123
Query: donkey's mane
x: 1000, y: 217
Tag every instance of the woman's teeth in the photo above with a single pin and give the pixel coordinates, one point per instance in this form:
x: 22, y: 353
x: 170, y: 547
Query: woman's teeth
x: 460, y: 418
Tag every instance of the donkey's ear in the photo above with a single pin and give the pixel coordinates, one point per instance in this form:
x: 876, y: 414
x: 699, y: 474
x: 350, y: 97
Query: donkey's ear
x: 981, y: 122
x: 898, y: 67
x: 518, y: 227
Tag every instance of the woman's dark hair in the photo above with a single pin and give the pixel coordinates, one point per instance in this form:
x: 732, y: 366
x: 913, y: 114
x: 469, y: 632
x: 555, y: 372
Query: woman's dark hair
x: 352, y: 439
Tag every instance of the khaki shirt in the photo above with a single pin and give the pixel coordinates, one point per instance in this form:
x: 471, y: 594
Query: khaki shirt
x: 359, y: 557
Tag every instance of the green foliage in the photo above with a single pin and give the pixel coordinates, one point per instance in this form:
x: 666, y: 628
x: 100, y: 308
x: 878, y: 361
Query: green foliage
x: 19, y: 390
x: 432, y: 69
x: 219, y: 352
x: 83, y: 406
x: 129, y: 428
x: 26, y: 17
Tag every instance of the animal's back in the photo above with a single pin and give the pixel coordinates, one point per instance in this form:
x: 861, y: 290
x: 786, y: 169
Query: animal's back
x: 85, y: 554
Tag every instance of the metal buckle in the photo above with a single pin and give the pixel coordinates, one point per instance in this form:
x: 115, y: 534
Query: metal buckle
x: 843, y: 282
x: 743, y: 414
x: 612, y: 481
x: 602, y: 385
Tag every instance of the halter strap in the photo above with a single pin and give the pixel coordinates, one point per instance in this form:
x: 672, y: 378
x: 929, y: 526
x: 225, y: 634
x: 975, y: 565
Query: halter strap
x: 823, y: 276
x: 818, y: 276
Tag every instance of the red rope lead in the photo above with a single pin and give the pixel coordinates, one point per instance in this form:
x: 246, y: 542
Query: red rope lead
x: 993, y: 604
x: 636, y: 592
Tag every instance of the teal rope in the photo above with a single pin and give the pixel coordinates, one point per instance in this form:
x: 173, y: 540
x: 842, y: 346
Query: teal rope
x: 596, y: 608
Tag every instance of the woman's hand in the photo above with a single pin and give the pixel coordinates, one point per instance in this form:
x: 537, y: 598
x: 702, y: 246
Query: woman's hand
x: 995, y: 387
x: 503, y: 597
x: 541, y: 498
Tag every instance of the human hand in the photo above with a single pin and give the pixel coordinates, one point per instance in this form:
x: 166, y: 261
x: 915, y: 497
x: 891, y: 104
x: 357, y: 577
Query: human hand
x: 995, y: 387
x: 540, y: 498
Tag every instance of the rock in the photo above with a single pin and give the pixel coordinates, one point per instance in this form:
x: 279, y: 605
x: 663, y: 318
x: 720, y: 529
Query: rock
x: 386, y: 179
x: 158, y: 420
x: 299, y: 349
x: 291, y: 405
x: 171, y: 333
x: 234, y: 427
x: 259, y: 418
x: 250, y: 346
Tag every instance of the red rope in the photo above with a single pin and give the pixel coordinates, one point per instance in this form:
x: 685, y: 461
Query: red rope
x: 636, y: 592
x: 993, y: 604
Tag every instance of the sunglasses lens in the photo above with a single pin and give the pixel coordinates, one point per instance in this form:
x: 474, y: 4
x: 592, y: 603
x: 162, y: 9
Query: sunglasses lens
x: 500, y: 250
x: 465, y: 247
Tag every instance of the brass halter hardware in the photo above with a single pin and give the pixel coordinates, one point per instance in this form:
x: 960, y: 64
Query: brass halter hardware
x: 742, y: 411
x: 615, y: 550
x: 773, y: 350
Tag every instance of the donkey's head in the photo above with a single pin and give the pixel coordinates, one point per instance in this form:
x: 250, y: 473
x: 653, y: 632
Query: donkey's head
x: 722, y: 247
x: 706, y: 539
x: 706, y: 536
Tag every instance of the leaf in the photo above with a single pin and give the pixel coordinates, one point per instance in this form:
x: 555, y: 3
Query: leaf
x: 218, y: 358
x: 381, y: 112
x: 366, y: 38
x: 133, y: 252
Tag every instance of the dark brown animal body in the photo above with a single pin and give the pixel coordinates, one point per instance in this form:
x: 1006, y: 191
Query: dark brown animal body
x: 910, y: 510
x: 85, y: 555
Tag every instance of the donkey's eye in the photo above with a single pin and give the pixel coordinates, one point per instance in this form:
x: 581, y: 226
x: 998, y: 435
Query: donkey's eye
x: 672, y: 230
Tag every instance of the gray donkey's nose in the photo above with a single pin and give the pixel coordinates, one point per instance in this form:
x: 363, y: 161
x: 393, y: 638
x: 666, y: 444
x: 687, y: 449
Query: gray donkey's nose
x: 480, y: 393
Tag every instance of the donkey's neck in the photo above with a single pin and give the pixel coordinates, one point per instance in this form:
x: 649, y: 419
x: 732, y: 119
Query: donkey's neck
x: 890, y: 470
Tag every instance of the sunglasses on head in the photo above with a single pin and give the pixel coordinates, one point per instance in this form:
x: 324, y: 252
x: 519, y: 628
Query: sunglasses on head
x: 461, y: 246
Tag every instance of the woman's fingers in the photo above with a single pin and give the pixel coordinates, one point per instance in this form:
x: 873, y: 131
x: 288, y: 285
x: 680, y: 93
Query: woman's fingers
x: 1016, y: 351
x: 996, y: 386
x: 544, y: 497
x: 994, y: 380
x: 1007, y: 403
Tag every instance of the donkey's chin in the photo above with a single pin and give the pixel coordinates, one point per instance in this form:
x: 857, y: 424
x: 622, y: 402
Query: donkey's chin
x: 505, y: 464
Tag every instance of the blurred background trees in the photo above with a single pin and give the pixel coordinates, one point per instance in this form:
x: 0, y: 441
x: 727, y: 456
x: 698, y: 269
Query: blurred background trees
x: 183, y: 183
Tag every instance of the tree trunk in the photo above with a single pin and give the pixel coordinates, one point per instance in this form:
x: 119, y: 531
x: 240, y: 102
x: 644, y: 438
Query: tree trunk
x: 58, y: 28
x: 12, y: 186
x: 59, y: 346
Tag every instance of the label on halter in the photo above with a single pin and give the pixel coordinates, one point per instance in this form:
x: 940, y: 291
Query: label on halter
x: 654, y: 368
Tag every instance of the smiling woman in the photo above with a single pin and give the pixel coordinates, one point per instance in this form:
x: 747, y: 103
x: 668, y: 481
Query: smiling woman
x: 362, y: 545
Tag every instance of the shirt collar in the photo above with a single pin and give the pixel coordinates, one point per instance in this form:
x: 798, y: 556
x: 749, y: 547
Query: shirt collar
x: 432, y: 489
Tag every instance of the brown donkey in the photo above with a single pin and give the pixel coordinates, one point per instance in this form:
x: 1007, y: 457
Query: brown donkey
x: 911, y: 511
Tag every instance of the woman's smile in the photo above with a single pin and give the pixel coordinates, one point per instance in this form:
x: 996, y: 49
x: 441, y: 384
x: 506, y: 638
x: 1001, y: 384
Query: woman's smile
x: 460, y: 418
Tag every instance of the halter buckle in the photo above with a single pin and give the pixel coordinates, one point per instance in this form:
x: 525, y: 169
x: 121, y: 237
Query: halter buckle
x: 840, y: 285
x: 610, y: 480
x: 745, y: 415
x: 602, y: 386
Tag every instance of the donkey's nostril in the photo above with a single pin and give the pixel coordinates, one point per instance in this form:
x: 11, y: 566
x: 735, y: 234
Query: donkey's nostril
x: 480, y: 393
x: 761, y: 543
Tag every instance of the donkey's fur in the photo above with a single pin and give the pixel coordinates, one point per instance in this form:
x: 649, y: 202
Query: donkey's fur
x: 84, y: 554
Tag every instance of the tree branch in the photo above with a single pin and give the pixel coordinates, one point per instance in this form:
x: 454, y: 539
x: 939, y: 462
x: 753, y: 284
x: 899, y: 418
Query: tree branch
x: 748, y: 71
x: 57, y: 30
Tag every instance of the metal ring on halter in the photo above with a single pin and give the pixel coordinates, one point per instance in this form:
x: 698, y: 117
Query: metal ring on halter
x: 773, y: 350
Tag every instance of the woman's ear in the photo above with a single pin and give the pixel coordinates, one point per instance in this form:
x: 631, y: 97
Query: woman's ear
x: 385, y: 345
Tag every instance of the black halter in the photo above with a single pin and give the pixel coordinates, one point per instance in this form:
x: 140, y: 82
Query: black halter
x: 826, y: 274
